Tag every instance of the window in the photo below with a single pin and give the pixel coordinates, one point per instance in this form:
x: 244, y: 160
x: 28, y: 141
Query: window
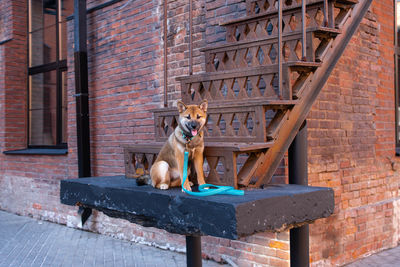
x: 47, y: 66
x: 397, y: 74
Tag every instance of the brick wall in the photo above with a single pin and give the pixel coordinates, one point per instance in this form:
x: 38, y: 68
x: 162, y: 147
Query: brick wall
x: 351, y: 126
x: 28, y: 183
x: 351, y: 146
x: 14, y: 71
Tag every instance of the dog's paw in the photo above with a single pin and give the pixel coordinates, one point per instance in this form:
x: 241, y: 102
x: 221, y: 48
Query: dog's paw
x: 187, y: 188
x: 191, y: 184
x: 163, y: 186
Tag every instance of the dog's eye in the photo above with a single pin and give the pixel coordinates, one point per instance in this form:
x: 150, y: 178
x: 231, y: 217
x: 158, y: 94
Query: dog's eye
x: 198, y: 116
x: 188, y: 117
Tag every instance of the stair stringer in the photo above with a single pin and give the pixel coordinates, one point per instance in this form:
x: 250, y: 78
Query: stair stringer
x: 288, y: 131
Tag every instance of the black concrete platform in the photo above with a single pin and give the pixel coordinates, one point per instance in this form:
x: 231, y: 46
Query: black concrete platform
x: 274, y: 208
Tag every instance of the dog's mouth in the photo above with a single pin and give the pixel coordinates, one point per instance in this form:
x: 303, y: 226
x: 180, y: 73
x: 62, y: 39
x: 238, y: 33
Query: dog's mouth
x: 193, y: 132
x: 192, y: 127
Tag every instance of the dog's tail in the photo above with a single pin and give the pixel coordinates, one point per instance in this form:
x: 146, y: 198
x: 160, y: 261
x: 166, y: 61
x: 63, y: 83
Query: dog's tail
x: 143, y: 180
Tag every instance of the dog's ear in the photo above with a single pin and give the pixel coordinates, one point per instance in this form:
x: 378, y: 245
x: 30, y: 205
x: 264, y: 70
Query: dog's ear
x: 181, y: 106
x: 204, y: 105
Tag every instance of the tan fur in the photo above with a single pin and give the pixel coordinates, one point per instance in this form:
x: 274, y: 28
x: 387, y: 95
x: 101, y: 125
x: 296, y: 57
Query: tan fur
x: 167, y: 170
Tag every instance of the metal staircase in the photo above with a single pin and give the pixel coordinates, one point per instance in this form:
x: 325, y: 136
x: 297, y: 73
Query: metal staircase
x: 260, y: 86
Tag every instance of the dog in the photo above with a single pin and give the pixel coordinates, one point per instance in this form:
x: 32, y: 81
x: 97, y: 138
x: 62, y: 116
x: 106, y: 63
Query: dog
x: 167, y: 170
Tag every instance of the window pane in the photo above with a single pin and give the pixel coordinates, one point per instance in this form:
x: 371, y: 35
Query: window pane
x: 66, y: 9
x: 43, y: 46
x: 42, y: 32
x: 2, y: 28
x: 41, y: 14
x: 42, y: 108
x: 64, y: 108
x: 397, y: 70
x: 47, y: 90
x: 398, y: 100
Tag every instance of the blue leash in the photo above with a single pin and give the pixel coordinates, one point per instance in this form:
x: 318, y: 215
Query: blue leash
x: 208, y: 189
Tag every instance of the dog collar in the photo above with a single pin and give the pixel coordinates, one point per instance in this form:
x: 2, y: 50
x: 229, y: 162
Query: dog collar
x: 187, y: 138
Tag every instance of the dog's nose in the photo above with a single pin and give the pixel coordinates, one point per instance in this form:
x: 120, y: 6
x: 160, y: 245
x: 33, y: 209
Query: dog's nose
x: 194, y: 124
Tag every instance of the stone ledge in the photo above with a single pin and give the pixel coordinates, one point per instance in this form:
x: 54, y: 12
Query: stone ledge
x: 274, y: 208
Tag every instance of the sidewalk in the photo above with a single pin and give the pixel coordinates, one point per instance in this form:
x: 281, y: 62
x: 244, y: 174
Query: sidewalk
x: 386, y: 258
x: 28, y: 242
x: 25, y: 241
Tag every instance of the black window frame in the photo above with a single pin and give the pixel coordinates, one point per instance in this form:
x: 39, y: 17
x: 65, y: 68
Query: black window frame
x: 60, y: 66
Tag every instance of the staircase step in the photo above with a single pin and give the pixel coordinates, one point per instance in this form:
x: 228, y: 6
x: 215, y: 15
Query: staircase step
x: 254, y: 7
x: 227, y: 46
x: 221, y: 159
x: 215, y: 147
x: 229, y: 74
x: 274, y: 13
x: 347, y: 2
x: 266, y: 24
x: 266, y: 7
x: 276, y: 103
x: 245, y: 84
x: 251, y: 53
x: 263, y: 25
x: 229, y: 121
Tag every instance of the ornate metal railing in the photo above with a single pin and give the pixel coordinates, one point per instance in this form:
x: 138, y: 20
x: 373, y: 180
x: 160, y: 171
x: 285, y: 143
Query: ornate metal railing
x: 291, y: 36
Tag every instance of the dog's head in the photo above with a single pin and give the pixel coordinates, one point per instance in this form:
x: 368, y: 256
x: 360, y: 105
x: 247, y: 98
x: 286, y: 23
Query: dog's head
x: 192, y: 117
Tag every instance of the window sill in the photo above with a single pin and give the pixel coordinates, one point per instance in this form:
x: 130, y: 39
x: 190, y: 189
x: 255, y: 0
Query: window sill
x: 38, y: 151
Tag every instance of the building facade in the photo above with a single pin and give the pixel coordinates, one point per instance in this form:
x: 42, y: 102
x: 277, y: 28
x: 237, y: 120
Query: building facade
x: 351, y: 127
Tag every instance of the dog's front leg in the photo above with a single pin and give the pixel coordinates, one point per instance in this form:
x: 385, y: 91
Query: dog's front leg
x: 198, y: 165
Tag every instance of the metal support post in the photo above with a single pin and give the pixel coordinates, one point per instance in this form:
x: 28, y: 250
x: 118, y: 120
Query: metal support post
x: 298, y: 174
x: 81, y: 88
x: 82, y: 96
x: 193, y: 251
x: 280, y: 49
x: 303, y: 31
x: 165, y: 29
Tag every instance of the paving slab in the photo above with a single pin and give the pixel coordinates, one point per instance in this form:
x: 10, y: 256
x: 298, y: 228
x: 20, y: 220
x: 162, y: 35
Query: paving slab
x: 386, y: 258
x: 28, y: 242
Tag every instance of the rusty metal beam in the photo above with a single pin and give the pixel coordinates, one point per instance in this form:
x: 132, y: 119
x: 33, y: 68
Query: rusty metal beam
x: 326, y: 13
x: 303, y: 31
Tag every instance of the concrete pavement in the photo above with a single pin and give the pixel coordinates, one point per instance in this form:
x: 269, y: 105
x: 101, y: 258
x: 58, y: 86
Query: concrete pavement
x: 386, y: 258
x: 28, y: 242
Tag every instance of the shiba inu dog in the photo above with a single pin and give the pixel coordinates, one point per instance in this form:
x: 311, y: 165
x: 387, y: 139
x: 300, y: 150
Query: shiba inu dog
x: 167, y: 169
